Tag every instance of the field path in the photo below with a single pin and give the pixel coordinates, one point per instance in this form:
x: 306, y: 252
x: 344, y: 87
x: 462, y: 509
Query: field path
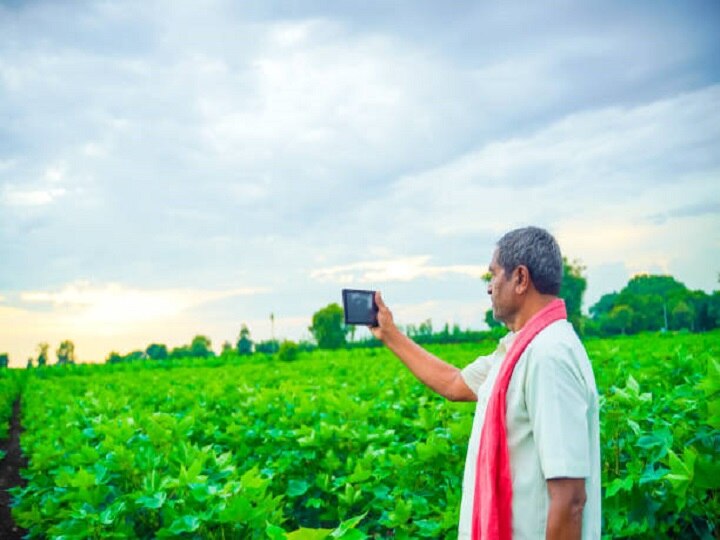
x: 10, y: 476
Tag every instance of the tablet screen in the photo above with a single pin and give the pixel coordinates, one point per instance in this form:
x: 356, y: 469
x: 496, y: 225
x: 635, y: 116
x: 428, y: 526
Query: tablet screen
x: 359, y: 307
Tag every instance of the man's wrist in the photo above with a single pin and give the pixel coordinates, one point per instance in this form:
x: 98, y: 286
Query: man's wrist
x: 391, y: 335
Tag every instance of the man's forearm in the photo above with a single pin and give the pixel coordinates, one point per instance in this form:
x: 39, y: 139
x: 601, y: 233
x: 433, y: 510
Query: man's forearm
x: 567, y: 500
x: 428, y: 368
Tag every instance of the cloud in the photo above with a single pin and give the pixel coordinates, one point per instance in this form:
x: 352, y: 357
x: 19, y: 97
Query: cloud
x: 688, y: 210
x: 118, y: 305
x: 383, y: 271
x: 274, y: 144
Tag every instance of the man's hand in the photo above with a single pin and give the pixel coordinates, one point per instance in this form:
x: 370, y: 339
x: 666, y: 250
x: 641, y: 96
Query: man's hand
x: 386, y: 328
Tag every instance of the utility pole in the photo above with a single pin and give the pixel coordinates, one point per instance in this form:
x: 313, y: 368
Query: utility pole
x: 272, y: 326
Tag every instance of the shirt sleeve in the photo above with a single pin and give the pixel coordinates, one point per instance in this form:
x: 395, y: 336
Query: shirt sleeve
x: 475, y: 373
x: 557, y: 403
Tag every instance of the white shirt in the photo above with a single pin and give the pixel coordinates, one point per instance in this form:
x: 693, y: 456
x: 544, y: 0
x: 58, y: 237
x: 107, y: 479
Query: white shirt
x: 553, y: 428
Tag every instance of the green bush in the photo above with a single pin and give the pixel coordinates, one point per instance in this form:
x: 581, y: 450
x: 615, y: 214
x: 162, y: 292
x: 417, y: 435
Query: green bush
x: 289, y: 351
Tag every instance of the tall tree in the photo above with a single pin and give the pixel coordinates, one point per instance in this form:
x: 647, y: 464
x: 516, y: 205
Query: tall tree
x: 328, y: 327
x: 490, y: 319
x: 4, y: 360
x: 42, y: 354
x: 201, y: 347
x: 244, y: 343
x: 572, y: 289
x: 157, y: 351
x: 66, y: 353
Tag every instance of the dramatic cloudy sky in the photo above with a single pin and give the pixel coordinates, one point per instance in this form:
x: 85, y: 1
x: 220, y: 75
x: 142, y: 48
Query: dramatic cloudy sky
x: 168, y: 170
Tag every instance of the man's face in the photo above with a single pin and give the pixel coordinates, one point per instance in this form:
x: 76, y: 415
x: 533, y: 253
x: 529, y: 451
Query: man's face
x: 501, y: 291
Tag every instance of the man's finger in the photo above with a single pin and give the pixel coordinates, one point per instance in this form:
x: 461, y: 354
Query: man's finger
x: 379, y: 300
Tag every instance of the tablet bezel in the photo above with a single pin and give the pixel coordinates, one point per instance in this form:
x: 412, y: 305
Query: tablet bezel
x: 345, y: 296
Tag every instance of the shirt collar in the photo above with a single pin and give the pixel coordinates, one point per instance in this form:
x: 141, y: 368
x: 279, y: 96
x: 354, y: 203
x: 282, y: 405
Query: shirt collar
x: 506, y: 341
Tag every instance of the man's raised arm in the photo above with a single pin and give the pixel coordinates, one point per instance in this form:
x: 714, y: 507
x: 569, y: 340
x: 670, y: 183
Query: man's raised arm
x: 439, y: 376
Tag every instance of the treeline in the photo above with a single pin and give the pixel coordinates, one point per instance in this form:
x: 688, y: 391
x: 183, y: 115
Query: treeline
x: 646, y: 303
x: 652, y: 303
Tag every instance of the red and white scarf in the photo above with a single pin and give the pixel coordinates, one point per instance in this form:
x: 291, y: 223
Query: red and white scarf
x: 492, y: 505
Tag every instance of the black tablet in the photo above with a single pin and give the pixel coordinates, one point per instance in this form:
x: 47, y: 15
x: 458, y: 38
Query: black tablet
x: 360, y: 307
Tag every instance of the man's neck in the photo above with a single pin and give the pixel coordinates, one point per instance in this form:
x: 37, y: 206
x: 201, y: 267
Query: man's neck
x: 530, y: 307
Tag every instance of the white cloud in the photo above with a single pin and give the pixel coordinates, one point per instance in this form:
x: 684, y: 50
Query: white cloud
x: 55, y: 173
x: 383, y: 271
x: 119, y: 305
x: 231, y: 145
x: 13, y: 196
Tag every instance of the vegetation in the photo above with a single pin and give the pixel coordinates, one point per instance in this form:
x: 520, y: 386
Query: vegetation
x: 652, y: 302
x: 328, y: 327
x: 66, y: 353
x: 244, y: 343
x: 243, y: 447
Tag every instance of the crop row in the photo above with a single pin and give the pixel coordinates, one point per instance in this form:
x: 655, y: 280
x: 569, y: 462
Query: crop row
x: 347, y: 443
x: 223, y: 452
x: 9, y: 390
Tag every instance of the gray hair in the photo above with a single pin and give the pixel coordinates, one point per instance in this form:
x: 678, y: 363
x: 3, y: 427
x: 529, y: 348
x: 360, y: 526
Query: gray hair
x: 536, y: 249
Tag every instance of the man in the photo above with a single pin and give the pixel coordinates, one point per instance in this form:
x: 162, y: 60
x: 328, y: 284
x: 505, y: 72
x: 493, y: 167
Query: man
x: 533, y: 462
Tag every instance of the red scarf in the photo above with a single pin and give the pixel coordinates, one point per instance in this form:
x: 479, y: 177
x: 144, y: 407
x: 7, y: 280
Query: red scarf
x: 492, y: 505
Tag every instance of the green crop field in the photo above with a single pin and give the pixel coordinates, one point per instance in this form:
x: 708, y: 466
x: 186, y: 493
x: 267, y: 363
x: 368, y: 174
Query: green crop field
x: 347, y: 443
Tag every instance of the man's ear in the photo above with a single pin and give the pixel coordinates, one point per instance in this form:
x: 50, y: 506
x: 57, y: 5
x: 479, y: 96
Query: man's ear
x: 521, y: 279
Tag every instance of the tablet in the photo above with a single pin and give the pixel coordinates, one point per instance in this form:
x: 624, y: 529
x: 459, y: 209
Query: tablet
x: 360, y: 307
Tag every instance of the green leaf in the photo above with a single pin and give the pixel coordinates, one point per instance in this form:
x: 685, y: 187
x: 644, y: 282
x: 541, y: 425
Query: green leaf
x: 83, y: 479
x: 619, y: 484
x: 650, y: 474
x: 648, y: 441
x: 707, y: 473
x: 154, y: 501
x: 297, y: 488
x: 110, y: 514
x: 274, y: 532
x: 185, y: 524
x: 346, y: 526
x: 309, y: 534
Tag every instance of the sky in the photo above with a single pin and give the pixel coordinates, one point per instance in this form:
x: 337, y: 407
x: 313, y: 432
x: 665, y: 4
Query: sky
x: 168, y: 170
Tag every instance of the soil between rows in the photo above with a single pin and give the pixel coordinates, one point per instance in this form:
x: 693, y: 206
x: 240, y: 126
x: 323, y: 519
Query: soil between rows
x: 10, y: 476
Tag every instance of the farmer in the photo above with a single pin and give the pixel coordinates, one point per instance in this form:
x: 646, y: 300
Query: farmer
x: 533, y: 462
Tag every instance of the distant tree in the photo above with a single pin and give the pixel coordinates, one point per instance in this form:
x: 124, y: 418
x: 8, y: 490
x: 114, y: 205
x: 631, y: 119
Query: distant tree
x: 182, y: 351
x: 490, y: 319
x: 4, y: 360
x: 42, y: 354
x: 328, y: 327
x: 425, y: 329
x: 29, y: 364
x: 244, y: 343
x: 572, y: 289
x: 620, y: 318
x: 201, y: 347
x: 701, y: 305
x: 66, y: 353
x: 604, y: 305
x: 114, y: 358
x: 156, y: 351
x: 651, y: 299
x: 714, y: 309
x: 227, y: 348
x: 271, y: 346
x: 353, y: 328
x: 682, y: 316
x: 288, y: 351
